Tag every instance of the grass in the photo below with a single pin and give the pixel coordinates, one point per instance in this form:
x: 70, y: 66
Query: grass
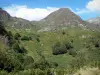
x: 88, y: 71
x: 47, y: 39
x: 79, y: 38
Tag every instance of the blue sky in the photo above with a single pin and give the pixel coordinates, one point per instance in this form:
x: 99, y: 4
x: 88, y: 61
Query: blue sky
x: 45, y: 3
x: 37, y: 8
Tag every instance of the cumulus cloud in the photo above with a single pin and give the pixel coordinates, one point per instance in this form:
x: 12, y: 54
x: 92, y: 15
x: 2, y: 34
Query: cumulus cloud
x: 93, y: 5
x: 22, y: 11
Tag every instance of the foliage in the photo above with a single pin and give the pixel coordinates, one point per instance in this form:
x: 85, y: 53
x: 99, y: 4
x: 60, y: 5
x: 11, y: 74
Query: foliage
x: 19, y: 49
x: 2, y: 29
x: 5, y: 62
x: 26, y: 38
x: 59, y: 48
x: 38, y: 39
x: 63, y: 33
x: 17, y: 36
x: 50, y: 53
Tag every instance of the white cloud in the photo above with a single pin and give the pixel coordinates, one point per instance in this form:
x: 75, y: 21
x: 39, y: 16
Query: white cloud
x: 22, y: 11
x: 93, y: 5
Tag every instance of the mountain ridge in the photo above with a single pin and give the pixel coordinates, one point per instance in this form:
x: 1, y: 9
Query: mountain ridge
x: 59, y: 19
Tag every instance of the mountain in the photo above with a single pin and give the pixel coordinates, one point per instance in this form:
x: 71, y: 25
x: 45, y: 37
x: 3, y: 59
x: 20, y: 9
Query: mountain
x: 4, y: 16
x: 14, y: 22
x: 61, y: 18
x: 95, y: 23
x: 94, y: 20
x: 19, y: 23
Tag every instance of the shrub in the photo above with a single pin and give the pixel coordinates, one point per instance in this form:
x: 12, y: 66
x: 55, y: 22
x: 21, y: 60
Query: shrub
x: 10, y: 38
x: 40, y: 72
x: 16, y: 47
x: 63, y: 33
x: 22, y: 50
x: 55, y: 64
x: 19, y: 49
x: 5, y: 63
x: 42, y: 64
x: 97, y: 45
x: 28, y: 62
x: 68, y: 45
x: 8, y: 61
x: 38, y: 39
x: 17, y: 36
x: 59, y: 48
x: 72, y: 52
x: 26, y: 38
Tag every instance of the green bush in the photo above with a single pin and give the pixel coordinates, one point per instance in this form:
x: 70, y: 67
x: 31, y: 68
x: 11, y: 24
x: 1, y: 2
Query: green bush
x: 26, y: 38
x: 38, y: 39
x: 19, y: 49
x: 28, y: 62
x: 68, y: 45
x: 97, y: 45
x: 63, y: 33
x: 59, y: 48
x: 17, y: 36
x: 42, y: 64
x: 10, y: 38
x: 5, y: 62
x: 72, y: 52
x: 9, y: 62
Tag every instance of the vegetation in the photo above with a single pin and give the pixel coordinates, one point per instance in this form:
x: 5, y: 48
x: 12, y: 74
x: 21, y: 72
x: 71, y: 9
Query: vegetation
x: 26, y: 38
x: 59, y: 48
x: 47, y: 53
x: 2, y: 29
x: 54, y: 54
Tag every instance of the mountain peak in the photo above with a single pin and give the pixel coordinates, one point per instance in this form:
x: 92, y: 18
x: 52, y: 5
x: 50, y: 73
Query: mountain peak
x: 63, y: 16
x: 64, y: 9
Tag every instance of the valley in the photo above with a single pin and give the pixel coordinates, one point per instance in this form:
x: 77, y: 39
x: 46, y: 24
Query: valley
x: 60, y: 44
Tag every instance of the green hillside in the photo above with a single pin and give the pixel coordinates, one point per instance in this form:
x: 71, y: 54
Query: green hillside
x: 61, y: 52
x: 30, y: 48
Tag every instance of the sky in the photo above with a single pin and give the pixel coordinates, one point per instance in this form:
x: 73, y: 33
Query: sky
x: 39, y: 9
